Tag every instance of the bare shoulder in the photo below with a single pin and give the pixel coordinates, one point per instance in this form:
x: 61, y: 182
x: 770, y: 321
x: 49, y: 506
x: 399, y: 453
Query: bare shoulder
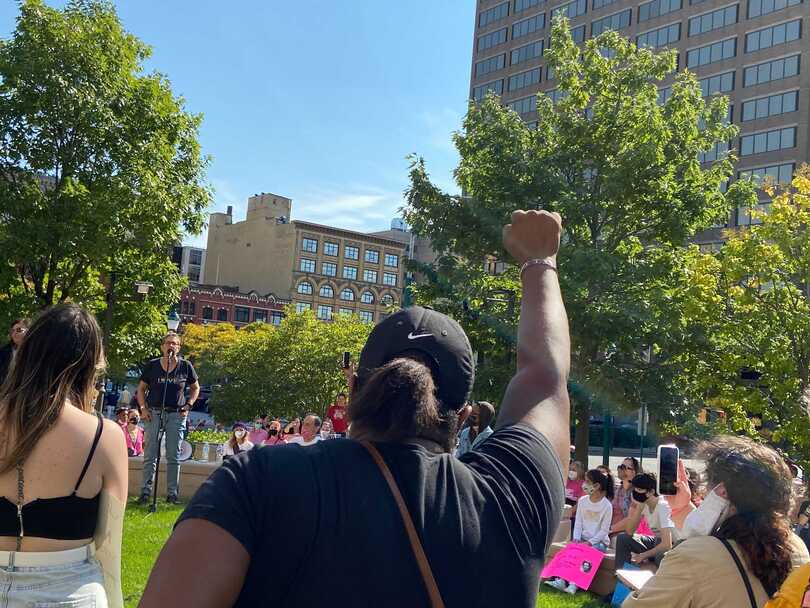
x: 112, y: 442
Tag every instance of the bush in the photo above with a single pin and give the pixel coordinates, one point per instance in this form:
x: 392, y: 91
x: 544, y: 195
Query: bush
x: 208, y: 436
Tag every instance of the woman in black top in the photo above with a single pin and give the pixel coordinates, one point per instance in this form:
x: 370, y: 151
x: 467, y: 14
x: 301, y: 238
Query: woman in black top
x: 62, y: 470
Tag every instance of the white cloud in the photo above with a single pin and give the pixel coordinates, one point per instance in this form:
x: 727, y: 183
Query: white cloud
x: 356, y: 207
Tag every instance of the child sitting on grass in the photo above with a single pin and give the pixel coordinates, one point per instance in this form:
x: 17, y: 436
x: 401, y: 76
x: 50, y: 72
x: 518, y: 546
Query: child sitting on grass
x: 592, y: 523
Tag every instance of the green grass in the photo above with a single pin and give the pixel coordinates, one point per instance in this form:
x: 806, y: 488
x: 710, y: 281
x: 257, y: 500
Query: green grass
x: 145, y: 534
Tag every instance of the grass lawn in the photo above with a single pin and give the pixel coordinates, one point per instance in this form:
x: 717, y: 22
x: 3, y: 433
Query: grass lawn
x: 145, y: 534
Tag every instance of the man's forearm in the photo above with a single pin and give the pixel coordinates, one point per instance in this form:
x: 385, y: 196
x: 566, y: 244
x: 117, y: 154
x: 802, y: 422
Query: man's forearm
x: 195, y: 392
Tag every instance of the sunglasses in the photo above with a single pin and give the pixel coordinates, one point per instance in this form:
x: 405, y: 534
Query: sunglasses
x: 624, y: 467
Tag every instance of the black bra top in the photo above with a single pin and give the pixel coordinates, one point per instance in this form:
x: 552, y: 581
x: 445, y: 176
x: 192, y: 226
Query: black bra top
x: 63, y: 518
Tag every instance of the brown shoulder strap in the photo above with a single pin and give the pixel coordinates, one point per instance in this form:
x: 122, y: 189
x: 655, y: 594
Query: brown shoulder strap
x: 416, y: 545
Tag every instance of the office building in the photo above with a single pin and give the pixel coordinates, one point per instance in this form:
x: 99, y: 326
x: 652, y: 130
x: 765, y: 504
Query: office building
x: 328, y: 270
x: 190, y: 261
x: 750, y: 50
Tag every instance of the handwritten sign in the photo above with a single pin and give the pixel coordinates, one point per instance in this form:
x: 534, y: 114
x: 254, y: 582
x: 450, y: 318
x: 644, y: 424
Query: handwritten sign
x: 577, y: 563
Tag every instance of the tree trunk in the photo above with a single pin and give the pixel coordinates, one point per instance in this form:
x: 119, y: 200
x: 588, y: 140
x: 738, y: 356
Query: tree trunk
x: 582, y: 430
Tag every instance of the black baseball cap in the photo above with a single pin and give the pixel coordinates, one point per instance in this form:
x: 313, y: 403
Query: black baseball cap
x: 433, y: 334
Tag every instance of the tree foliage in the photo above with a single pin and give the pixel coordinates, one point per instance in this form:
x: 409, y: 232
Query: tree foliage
x: 283, y: 370
x: 624, y: 173
x: 100, y: 170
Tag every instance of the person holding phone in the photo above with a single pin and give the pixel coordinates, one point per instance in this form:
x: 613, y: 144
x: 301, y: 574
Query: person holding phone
x: 654, y: 508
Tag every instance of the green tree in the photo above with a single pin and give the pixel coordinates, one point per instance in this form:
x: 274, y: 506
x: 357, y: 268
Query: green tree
x: 206, y: 345
x: 624, y: 173
x: 100, y: 170
x: 289, y: 369
x: 750, y: 306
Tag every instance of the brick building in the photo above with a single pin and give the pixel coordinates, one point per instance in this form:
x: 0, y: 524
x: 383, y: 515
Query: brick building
x: 216, y: 304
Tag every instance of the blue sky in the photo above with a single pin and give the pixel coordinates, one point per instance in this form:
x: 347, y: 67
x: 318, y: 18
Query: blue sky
x: 317, y: 100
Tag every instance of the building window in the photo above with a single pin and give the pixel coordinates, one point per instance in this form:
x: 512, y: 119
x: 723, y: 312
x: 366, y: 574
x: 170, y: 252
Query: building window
x: 194, y: 274
x: 768, y: 141
x: 366, y: 316
x: 367, y: 297
x: 370, y: 276
x: 578, y: 34
x: 347, y: 294
x: 480, y: 92
x: 757, y: 8
x: 524, y: 79
x: 496, y: 13
x: 330, y: 248
x: 597, y: 4
x: 720, y: 83
x: 351, y: 253
x: 324, y: 312
x: 773, y: 105
x: 713, y: 21
x: 242, y: 314
x: 276, y: 317
x: 372, y: 256
x: 493, y: 64
x: 301, y: 306
x: 346, y: 312
x: 775, y: 174
x: 184, y: 307
x: 350, y: 272
x: 329, y: 269
x: 555, y: 95
x: 326, y: 291
x: 195, y: 257
x: 771, y: 70
x: 260, y: 315
x: 208, y: 313
x: 387, y: 300
x: 391, y: 260
x: 660, y: 37
x: 527, y: 52
x: 663, y: 95
x: 522, y: 5
x: 389, y: 278
x: 191, y: 306
x: 305, y: 288
x: 656, y: 8
x: 718, y: 152
x: 525, y: 105
x: 711, y: 53
x: 571, y: 10
x: 222, y: 314
x: 773, y: 36
x: 492, y: 39
x: 615, y: 22
x: 310, y: 245
x: 307, y: 265
x: 528, y: 26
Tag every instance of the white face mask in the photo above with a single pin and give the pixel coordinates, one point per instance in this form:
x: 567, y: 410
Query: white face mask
x: 572, y: 475
x: 704, y: 520
x: 239, y: 434
x: 588, y: 488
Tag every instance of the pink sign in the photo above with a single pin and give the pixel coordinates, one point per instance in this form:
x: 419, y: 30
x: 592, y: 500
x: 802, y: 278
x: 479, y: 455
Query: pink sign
x: 577, y: 563
x: 644, y: 528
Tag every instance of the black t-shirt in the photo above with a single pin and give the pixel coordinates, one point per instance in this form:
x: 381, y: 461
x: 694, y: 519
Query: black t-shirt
x: 155, y: 377
x: 322, y: 528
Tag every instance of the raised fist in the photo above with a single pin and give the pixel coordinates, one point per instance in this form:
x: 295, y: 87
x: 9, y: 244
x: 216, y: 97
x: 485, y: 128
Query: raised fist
x: 532, y: 235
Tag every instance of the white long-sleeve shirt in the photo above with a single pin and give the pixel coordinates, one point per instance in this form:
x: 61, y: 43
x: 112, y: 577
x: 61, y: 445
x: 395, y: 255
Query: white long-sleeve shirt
x: 592, y: 523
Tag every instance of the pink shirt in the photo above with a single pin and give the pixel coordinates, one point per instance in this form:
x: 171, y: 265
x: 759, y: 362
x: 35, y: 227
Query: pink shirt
x: 134, y: 447
x: 277, y: 440
x: 573, y: 489
x: 257, y: 436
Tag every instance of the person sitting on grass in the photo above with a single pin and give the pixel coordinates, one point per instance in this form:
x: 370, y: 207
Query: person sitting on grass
x: 658, y: 514
x: 594, y: 513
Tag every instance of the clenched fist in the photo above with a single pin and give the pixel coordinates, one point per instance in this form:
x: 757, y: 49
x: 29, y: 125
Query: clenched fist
x: 533, y: 235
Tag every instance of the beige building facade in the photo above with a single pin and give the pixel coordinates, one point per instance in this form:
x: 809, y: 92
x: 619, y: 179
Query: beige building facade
x: 328, y: 270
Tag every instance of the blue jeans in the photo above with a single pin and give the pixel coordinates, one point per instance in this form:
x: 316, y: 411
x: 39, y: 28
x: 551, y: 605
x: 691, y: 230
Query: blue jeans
x: 174, y: 433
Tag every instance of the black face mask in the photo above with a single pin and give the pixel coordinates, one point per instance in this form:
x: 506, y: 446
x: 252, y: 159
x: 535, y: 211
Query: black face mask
x: 642, y: 498
x: 272, y: 432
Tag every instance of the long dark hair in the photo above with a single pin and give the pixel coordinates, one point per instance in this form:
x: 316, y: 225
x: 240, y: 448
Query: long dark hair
x: 58, y: 362
x: 758, y: 485
x: 603, y: 480
x: 398, y: 401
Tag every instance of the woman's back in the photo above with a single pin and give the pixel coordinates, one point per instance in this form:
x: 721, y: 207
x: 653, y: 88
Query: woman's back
x: 55, y: 466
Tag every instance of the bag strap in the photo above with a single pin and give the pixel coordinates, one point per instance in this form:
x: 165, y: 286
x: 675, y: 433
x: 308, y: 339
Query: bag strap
x: 740, y: 567
x: 416, y: 545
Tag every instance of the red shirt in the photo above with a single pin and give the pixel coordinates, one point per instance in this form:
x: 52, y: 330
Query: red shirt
x: 340, y: 419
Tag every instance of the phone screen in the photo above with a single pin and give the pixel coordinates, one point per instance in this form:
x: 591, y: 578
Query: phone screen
x: 346, y: 359
x: 667, y: 470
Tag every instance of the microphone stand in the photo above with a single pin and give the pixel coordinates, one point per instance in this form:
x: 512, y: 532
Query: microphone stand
x: 161, y: 432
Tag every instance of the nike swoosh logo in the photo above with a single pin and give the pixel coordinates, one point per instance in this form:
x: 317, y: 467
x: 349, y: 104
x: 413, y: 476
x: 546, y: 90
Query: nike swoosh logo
x: 416, y: 337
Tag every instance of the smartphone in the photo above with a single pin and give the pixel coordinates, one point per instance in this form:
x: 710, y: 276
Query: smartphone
x: 667, y: 470
x: 347, y: 357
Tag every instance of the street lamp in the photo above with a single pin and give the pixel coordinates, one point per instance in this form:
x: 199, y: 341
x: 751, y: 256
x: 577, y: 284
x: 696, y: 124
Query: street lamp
x: 173, y: 321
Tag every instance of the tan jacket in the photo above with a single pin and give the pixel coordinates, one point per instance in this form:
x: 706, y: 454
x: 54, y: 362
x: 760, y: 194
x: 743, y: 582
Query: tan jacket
x: 700, y: 573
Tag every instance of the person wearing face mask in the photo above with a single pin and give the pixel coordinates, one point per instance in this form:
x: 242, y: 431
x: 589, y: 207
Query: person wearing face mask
x: 741, y: 548
x: 310, y: 431
x: 274, y: 434
x: 258, y: 433
x: 658, y: 514
x: 592, y: 525
x: 134, y: 434
x: 238, y: 442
